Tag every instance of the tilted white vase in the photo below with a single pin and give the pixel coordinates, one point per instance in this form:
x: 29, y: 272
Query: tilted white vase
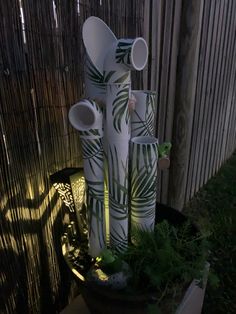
x: 87, y: 118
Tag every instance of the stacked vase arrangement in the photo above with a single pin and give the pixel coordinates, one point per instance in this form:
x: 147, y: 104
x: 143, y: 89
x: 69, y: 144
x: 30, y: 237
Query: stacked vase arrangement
x: 116, y: 128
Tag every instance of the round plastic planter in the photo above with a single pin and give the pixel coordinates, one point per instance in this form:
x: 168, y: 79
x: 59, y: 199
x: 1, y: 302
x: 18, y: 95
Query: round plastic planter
x: 106, y: 301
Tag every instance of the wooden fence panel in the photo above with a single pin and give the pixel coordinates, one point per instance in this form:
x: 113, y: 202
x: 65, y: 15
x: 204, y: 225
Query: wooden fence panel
x: 199, y: 119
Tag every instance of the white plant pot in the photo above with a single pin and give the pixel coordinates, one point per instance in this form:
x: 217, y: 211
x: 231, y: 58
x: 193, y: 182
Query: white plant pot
x: 87, y: 117
x: 117, y: 130
x: 144, y: 114
x: 96, y: 82
x: 97, y: 38
x: 109, y: 60
x: 144, y: 158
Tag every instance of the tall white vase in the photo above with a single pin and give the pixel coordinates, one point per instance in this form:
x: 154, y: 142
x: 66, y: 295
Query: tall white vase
x: 144, y: 158
x: 144, y: 113
x: 117, y: 129
x: 98, y: 38
x: 96, y: 81
x: 87, y: 118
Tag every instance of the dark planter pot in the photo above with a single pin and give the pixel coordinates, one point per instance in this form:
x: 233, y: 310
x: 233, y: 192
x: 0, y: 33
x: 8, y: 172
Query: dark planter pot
x: 106, y: 301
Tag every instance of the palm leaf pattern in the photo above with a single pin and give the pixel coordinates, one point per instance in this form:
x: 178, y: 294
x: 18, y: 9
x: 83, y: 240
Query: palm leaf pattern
x: 123, y: 52
x: 93, y: 153
x: 145, y: 127
x: 143, y: 192
x: 100, y: 80
x: 118, y: 200
x: 95, y: 211
x: 94, y: 75
x: 150, y: 112
x: 118, y: 186
x: 143, y: 184
x: 120, y: 110
x: 119, y: 239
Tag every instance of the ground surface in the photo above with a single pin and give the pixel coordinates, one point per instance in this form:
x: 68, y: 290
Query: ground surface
x: 214, y: 210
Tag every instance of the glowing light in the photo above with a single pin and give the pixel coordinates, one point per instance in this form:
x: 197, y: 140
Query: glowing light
x: 70, y: 185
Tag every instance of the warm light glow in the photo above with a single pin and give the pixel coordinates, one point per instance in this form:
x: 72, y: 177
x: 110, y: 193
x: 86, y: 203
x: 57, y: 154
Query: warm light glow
x: 29, y: 191
x: 70, y: 185
x: 64, y: 190
x: 28, y: 214
x: 65, y: 254
x: 106, y: 209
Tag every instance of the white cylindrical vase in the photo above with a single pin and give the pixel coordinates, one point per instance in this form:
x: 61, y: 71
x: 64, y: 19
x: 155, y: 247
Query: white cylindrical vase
x: 117, y: 130
x: 144, y: 114
x: 87, y: 118
x: 98, y: 38
x: 96, y: 82
x: 144, y: 159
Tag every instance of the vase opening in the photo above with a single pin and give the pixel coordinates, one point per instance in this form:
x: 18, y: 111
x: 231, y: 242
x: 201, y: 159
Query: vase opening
x: 82, y: 117
x: 139, y: 54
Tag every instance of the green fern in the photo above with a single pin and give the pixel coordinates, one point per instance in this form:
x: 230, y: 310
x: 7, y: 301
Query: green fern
x: 163, y: 259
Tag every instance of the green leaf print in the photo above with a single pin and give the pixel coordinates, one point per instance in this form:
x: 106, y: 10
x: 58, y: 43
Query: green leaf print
x: 123, y: 52
x: 120, y: 109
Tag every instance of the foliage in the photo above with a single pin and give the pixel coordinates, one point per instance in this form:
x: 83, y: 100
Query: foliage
x: 166, y: 260
x: 164, y: 149
x: 109, y: 262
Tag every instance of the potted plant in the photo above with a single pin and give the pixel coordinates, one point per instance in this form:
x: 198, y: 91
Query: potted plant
x: 150, y: 253
x: 166, y: 272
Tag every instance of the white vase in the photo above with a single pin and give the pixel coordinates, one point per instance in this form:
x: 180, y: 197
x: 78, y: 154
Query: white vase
x: 144, y: 158
x: 87, y: 117
x: 97, y: 38
x: 96, y: 81
x: 144, y: 114
x: 117, y: 130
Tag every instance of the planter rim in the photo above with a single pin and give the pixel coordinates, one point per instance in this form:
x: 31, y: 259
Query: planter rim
x: 140, y: 299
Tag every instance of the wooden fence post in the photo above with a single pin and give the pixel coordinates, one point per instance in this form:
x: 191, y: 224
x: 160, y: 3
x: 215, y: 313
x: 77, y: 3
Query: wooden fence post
x: 190, y: 35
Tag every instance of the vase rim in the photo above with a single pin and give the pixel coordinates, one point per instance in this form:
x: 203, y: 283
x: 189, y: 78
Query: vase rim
x: 143, y: 91
x: 144, y: 140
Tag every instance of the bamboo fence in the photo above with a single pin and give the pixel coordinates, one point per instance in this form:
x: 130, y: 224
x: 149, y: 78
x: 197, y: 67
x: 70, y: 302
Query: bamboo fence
x: 192, y: 67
